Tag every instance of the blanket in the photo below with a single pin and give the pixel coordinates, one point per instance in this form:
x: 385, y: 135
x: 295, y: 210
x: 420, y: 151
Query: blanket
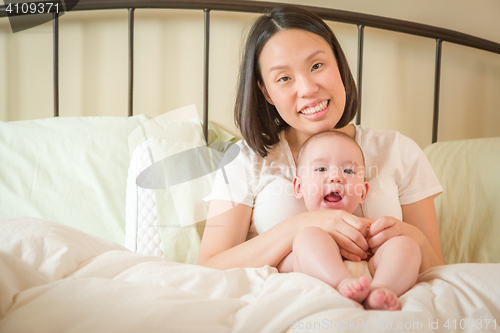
x: 55, y: 278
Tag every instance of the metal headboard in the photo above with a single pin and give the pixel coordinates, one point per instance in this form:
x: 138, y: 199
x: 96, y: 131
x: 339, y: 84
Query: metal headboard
x: 440, y: 35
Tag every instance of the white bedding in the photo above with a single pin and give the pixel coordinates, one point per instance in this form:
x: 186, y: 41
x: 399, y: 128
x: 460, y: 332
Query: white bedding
x: 57, y: 279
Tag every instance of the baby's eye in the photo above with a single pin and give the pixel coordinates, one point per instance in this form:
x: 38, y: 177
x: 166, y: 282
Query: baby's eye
x: 321, y: 169
x: 349, y: 171
x: 316, y: 66
x: 283, y: 79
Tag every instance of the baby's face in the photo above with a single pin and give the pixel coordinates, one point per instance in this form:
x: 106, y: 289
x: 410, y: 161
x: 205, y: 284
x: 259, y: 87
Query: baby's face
x: 331, y: 175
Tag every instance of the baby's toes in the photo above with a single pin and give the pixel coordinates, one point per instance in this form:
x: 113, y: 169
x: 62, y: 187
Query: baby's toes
x: 355, y: 286
x: 364, y: 282
x: 392, y: 302
x: 346, y: 291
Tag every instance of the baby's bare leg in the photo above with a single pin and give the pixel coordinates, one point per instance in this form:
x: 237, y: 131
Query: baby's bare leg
x: 316, y: 253
x: 286, y: 264
x: 394, y: 268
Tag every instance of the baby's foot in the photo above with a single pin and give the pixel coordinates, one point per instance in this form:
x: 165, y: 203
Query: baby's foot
x: 382, y: 298
x: 355, y: 289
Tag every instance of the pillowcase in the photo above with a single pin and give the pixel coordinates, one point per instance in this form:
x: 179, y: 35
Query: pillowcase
x: 468, y: 210
x: 71, y: 170
x: 171, y: 170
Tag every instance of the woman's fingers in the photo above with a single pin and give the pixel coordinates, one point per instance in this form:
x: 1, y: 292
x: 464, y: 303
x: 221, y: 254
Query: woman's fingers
x: 367, y: 221
x: 373, y: 250
x: 348, y: 255
x: 351, y: 242
x: 384, y: 229
x: 357, y: 238
x: 349, y: 231
x: 380, y: 238
x: 381, y: 224
x: 361, y: 224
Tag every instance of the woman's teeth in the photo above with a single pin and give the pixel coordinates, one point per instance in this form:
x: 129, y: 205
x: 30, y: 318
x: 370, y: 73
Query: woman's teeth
x: 321, y: 106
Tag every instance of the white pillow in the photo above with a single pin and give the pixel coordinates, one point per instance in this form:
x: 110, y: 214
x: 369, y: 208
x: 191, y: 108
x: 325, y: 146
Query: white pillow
x: 71, y: 170
x: 167, y: 218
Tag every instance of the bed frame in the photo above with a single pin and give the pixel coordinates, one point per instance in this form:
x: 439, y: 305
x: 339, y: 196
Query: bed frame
x: 440, y: 35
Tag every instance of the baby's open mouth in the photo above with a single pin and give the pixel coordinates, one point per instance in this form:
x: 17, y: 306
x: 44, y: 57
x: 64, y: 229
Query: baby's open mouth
x: 333, y: 197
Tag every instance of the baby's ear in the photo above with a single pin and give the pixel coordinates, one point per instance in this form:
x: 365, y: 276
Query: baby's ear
x: 364, y: 193
x: 297, y: 187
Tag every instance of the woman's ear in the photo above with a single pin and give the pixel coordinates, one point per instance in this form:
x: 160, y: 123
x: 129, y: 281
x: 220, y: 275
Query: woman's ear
x: 364, y: 193
x: 296, y: 188
x: 264, y: 92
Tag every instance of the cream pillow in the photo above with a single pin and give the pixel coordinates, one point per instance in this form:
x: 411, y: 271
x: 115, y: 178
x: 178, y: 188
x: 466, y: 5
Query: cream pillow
x: 469, y: 208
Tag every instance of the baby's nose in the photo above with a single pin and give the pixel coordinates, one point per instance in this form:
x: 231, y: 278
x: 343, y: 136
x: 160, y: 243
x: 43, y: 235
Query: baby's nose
x: 335, y: 177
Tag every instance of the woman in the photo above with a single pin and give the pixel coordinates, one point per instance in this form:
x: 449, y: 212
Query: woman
x: 295, y: 82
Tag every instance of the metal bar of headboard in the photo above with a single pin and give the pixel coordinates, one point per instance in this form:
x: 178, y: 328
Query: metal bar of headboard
x: 205, y: 72
x: 55, y: 32
x: 361, y: 38
x: 366, y: 20
x: 131, y: 62
x: 361, y: 20
x: 437, y: 81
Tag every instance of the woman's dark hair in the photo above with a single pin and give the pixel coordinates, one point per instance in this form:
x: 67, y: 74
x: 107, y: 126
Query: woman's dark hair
x: 257, y: 119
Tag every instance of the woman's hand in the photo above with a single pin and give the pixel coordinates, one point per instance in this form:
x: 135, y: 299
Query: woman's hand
x: 224, y: 243
x: 386, y: 227
x: 349, y: 231
x: 420, y: 224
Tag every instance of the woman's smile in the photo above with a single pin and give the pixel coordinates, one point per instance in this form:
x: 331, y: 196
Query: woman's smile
x: 316, y: 112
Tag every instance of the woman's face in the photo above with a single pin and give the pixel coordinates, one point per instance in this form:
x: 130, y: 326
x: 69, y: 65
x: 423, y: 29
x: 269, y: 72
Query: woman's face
x: 302, y: 80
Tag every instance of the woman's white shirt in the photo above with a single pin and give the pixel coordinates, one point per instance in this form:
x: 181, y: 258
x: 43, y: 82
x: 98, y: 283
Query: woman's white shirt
x: 395, y: 167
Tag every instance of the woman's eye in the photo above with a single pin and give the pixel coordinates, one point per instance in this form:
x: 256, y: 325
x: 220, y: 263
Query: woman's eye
x: 316, y: 66
x: 283, y: 79
x: 349, y: 171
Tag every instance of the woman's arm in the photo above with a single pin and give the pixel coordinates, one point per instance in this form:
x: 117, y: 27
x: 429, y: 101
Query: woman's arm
x: 223, y: 245
x: 421, y: 225
x: 422, y: 215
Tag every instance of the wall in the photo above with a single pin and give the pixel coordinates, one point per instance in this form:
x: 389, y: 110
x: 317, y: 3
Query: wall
x: 398, y: 73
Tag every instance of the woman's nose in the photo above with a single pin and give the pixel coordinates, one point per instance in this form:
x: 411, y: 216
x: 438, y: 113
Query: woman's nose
x: 306, y: 86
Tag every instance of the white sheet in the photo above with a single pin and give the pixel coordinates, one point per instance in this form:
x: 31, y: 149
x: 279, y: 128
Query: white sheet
x: 55, y: 278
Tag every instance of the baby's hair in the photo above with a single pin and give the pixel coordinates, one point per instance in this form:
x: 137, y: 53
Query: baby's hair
x: 330, y: 133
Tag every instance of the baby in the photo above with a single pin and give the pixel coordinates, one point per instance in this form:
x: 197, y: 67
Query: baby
x: 330, y: 175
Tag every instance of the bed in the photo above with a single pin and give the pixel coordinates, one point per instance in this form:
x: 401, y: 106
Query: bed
x: 101, y: 218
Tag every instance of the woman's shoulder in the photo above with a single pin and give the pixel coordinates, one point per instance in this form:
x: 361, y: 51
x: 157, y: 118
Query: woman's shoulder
x: 245, y: 150
x: 387, y: 148
x: 368, y: 135
x: 248, y: 152
x: 371, y: 138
